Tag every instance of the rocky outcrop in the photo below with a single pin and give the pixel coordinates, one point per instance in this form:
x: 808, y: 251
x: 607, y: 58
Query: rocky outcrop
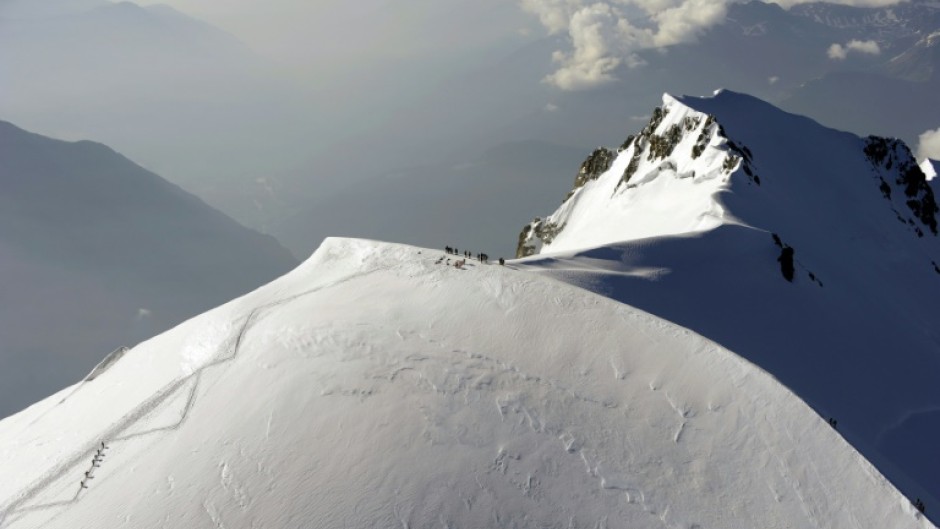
x: 534, y: 235
x: 594, y: 165
x: 658, y: 147
x: 894, y: 163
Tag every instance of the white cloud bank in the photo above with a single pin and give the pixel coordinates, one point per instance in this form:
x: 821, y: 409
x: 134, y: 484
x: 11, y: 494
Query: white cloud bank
x: 839, y: 52
x: 929, y: 145
x: 607, y: 34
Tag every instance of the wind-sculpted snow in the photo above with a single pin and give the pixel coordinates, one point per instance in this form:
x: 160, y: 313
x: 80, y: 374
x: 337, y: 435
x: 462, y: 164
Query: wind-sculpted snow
x: 809, y: 251
x: 373, y: 387
x: 679, y: 154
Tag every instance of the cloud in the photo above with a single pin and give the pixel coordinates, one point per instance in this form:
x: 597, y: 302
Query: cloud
x: 605, y: 35
x: 592, y: 30
x: 551, y: 107
x: 929, y: 145
x: 838, y: 52
x: 143, y: 313
x: 772, y: 79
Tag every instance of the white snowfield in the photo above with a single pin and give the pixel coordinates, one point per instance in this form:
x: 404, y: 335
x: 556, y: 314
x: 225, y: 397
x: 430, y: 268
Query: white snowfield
x: 374, y: 387
x: 663, y: 197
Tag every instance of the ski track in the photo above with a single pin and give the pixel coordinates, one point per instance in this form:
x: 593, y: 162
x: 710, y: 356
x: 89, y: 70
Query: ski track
x: 14, y: 508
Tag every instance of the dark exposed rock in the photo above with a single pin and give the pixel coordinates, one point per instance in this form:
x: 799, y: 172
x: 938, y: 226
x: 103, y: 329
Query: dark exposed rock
x: 892, y: 154
x: 543, y: 230
x: 702, y: 139
x: 522, y: 248
x: 547, y: 231
x: 659, y: 113
x: 730, y: 162
x: 638, y: 145
x: 885, y: 189
x: 594, y: 165
x: 662, y: 146
x: 786, y: 263
x: 626, y: 143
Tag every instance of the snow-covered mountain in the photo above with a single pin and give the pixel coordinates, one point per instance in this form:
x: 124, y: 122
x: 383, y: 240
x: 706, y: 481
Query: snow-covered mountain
x: 97, y: 253
x: 809, y: 251
x: 374, y: 386
x: 904, y: 20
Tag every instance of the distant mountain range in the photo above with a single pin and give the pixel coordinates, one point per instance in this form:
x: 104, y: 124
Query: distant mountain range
x: 205, y: 112
x: 97, y: 252
x: 781, y: 56
x: 177, y: 95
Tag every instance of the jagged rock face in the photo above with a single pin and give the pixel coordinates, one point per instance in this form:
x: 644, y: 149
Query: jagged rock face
x: 893, y: 160
x: 534, y: 235
x: 596, y: 164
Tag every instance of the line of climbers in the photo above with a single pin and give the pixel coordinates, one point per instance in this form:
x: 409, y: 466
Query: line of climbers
x: 482, y: 257
x: 95, y: 463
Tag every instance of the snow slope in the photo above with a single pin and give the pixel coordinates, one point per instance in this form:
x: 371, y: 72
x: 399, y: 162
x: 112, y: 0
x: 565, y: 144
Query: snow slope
x: 700, y: 240
x: 373, y: 387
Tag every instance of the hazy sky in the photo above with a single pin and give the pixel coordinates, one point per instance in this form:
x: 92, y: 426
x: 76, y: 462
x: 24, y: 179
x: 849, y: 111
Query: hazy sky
x: 604, y: 35
x: 335, y: 33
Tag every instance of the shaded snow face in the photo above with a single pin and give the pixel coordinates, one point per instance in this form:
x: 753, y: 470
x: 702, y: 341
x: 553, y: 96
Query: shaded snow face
x: 812, y: 253
x: 374, y: 386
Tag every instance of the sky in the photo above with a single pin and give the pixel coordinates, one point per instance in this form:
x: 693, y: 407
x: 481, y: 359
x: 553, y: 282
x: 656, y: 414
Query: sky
x: 339, y: 35
x: 310, y: 38
x: 409, y: 78
x: 408, y: 95
x: 603, y: 34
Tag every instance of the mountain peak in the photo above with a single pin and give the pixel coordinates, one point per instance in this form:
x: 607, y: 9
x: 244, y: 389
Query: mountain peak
x: 702, y: 162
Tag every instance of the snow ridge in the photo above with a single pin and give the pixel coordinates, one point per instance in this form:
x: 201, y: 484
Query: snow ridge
x: 662, y: 181
x: 375, y: 387
x: 678, y: 175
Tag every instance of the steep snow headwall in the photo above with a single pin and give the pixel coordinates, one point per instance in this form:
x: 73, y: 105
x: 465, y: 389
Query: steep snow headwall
x: 662, y: 181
